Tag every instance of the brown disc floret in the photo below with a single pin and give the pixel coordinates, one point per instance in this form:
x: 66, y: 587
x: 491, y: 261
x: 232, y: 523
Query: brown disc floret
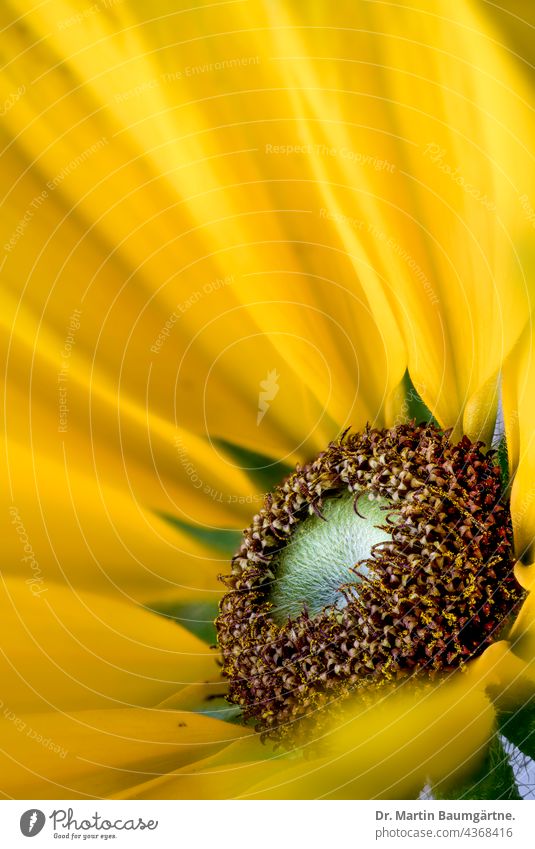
x: 431, y: 596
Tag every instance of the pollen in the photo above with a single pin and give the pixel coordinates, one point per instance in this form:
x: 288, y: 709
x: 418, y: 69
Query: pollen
x: 387, y: 557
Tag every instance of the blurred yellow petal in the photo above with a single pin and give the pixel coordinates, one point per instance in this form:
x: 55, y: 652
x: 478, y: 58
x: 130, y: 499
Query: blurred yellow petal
x: 430, y: 217
x: 205, y: 782
x: 514, y: 26
x: 58, y: 403
x: 505, y: 675
x: 508, y: 667
x: 497, y: 663
x: 95, y: 753
x: 522, y: 636
x: 117, y: 79
x: 525, y: 575
x: 387, y: 750
x: 224, y: 775
x: 390, y: 750
x: 228, y: 280
x: 66, y: 649
x: 197, y: 697
x: 99, y: 539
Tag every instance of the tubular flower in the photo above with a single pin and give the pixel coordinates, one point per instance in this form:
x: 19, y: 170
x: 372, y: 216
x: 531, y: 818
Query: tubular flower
x: 248, y: 248
x: 432, y: 596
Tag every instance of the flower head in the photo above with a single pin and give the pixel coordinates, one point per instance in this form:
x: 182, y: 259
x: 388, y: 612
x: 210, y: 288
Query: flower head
x: 231, y: 232
x: 432, y: 595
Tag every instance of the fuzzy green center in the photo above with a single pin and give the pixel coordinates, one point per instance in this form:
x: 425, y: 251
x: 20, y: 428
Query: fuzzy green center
x: 321, y: 553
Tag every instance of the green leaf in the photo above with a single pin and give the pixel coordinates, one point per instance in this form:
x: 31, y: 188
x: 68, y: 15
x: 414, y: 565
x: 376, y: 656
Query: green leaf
x: 223, y: 540
x: 416, y: 409
x: 519, y: 727
x: 494, y: 779
x: 196, y: 617
x: 221, y: 709
x: 263, y: 471
x: 503, y: 461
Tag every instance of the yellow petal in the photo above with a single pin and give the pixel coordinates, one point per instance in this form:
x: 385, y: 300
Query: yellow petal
x: 461, y: 109
x: 444, y: 229
x: 100, y: 539
x: 514, y: 24
x: 95, y: 753
x: 519, y: 420
x: 198, y: 697
x: 479, y: 417
x: 243, y: 276
x: 442, y: 224
x: 522, y: 635
x: 419, y: 164
x: 387, y: 750
x: 390, y: 750
x: 525, y: 575
x: 66, y: 649
x: 386, y: 226
x: 59, y: 403
x: 507, y: 668
x: 226, y: 774
x: 508, y: 678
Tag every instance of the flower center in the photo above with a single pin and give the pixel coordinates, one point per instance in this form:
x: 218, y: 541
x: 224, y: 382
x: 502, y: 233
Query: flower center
x: 321, y: 602
x: 318, y: 559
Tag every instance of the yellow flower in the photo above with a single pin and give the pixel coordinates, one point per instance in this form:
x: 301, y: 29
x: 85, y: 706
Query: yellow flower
x: 230, y: 232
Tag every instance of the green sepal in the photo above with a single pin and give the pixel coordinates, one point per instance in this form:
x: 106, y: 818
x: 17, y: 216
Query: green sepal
x: 263, y: 471
x: 502, y: 460
x: 196, y: 617
x: 223, y: 540
x: 415, y: 407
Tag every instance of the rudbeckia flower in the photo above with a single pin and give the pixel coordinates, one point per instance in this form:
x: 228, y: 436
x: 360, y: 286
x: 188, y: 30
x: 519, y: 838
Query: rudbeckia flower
x: 267, y: 268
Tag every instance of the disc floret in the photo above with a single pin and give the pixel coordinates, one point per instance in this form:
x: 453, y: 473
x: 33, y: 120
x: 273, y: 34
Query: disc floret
x: 434, y: 592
